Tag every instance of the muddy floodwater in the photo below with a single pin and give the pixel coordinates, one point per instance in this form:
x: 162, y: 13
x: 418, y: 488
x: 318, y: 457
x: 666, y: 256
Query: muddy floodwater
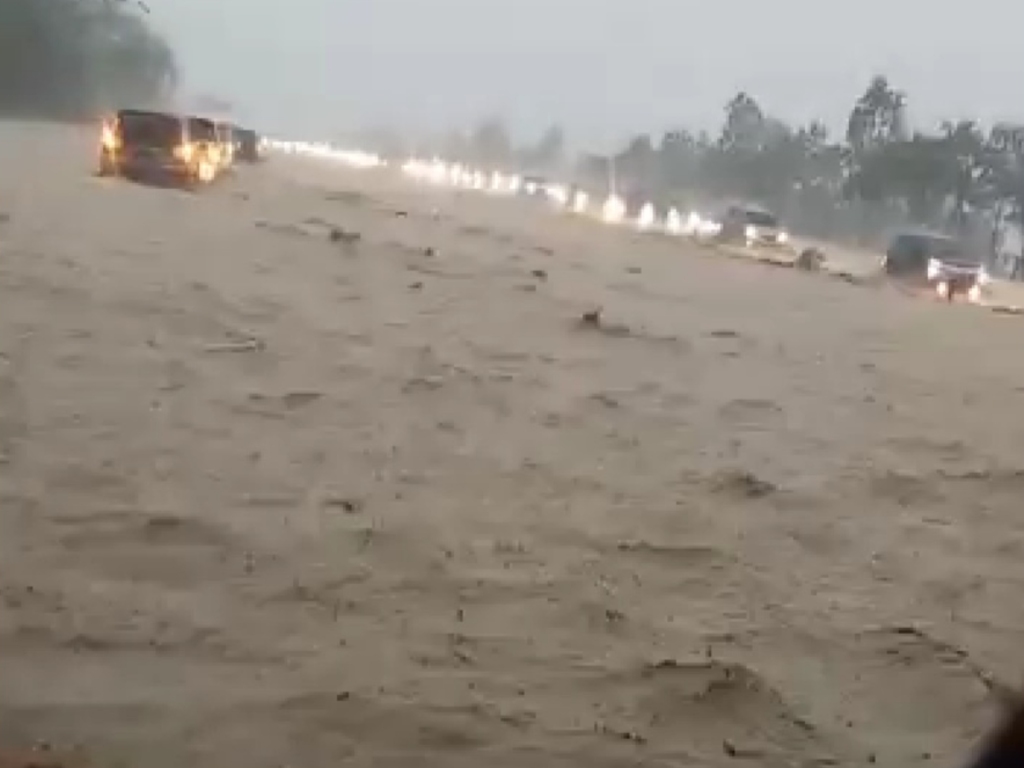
x: 272, y: 496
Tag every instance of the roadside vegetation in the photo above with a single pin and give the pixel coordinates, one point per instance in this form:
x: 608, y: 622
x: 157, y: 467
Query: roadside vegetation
x: 69, y: 59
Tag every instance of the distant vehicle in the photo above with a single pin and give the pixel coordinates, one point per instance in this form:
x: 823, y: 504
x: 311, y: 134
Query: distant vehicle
x: 207, y: 141
x: 152, y: 145
x: 247, y: 145
x: 752, y: 226
x: 226, y: 142
x: 939, y: 262
x: 534, y: 186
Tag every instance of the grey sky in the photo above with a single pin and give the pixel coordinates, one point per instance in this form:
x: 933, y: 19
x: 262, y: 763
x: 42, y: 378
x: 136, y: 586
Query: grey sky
x: 604, y: 69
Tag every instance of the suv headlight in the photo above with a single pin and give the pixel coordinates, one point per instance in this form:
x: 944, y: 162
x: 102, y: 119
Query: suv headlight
x: 934, y: 268
x: 750, y: 231
x: 783, y: 236
x: 984, y: 278
x: 108, y: 137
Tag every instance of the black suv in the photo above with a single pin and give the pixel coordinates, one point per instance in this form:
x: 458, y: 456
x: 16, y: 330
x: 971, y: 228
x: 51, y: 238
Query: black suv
x: 939, y: 262
x: 151, y: 145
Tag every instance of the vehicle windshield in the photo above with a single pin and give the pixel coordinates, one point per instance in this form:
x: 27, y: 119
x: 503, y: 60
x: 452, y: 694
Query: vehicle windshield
x: 761, y: 219
x: 947, y: 249
x: 201, y: 130
x: 149, y: 130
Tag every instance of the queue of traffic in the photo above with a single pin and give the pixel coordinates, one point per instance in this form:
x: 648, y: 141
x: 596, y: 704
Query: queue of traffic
x: 917, y: 260
x: 184, y: 150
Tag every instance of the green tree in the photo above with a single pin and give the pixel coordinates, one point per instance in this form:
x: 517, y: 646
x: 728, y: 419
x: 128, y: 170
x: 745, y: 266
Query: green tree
x: 880, y: 176
x: 744, y: 123
x: 490, y: 144
x: 875, y: 173
x: 679, y: 161
x: 636, y: 168
x: 972, y: 166
x: 916, y: 174
x: 548, y: 151
x: 456, y: 146
x: 68, y: 59
x: 877, y: 118
x: 757, y: 156
x: 1008, y: 191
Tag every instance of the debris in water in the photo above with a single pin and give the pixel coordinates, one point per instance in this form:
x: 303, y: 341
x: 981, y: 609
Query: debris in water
x: 247, y: 345
x: 339, y: 235
x: 810, y: 260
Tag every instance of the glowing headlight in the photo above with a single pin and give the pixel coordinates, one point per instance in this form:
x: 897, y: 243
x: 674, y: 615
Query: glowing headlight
x: 109, y: 137
x: 709, y: 227
x: 983, y: 277
x: 558, y: 193
x: 207, y: 171
x: 934, y: 269
x: 438, y: 172
x: 646, y: 218
x: 614, y: 209
x: 750, y: 232
x: 783, y: 236
x: 579, y: 202
x: 673, y: 222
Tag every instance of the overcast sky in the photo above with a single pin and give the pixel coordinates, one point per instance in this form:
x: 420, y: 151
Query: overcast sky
x: 603, y: 69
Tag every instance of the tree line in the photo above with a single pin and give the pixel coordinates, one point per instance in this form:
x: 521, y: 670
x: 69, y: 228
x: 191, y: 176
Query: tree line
x: 960, y: 177
x: 69, y: 59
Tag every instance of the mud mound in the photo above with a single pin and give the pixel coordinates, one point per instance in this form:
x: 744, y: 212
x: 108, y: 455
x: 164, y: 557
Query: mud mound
x: 710, y: 708
x: 741, y: 483
x: 247, y: 519
x: 39, y: 758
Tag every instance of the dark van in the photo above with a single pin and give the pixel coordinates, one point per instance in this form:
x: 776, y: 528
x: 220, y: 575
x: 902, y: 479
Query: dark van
x: 939, y: 262
x: 151, y: 145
